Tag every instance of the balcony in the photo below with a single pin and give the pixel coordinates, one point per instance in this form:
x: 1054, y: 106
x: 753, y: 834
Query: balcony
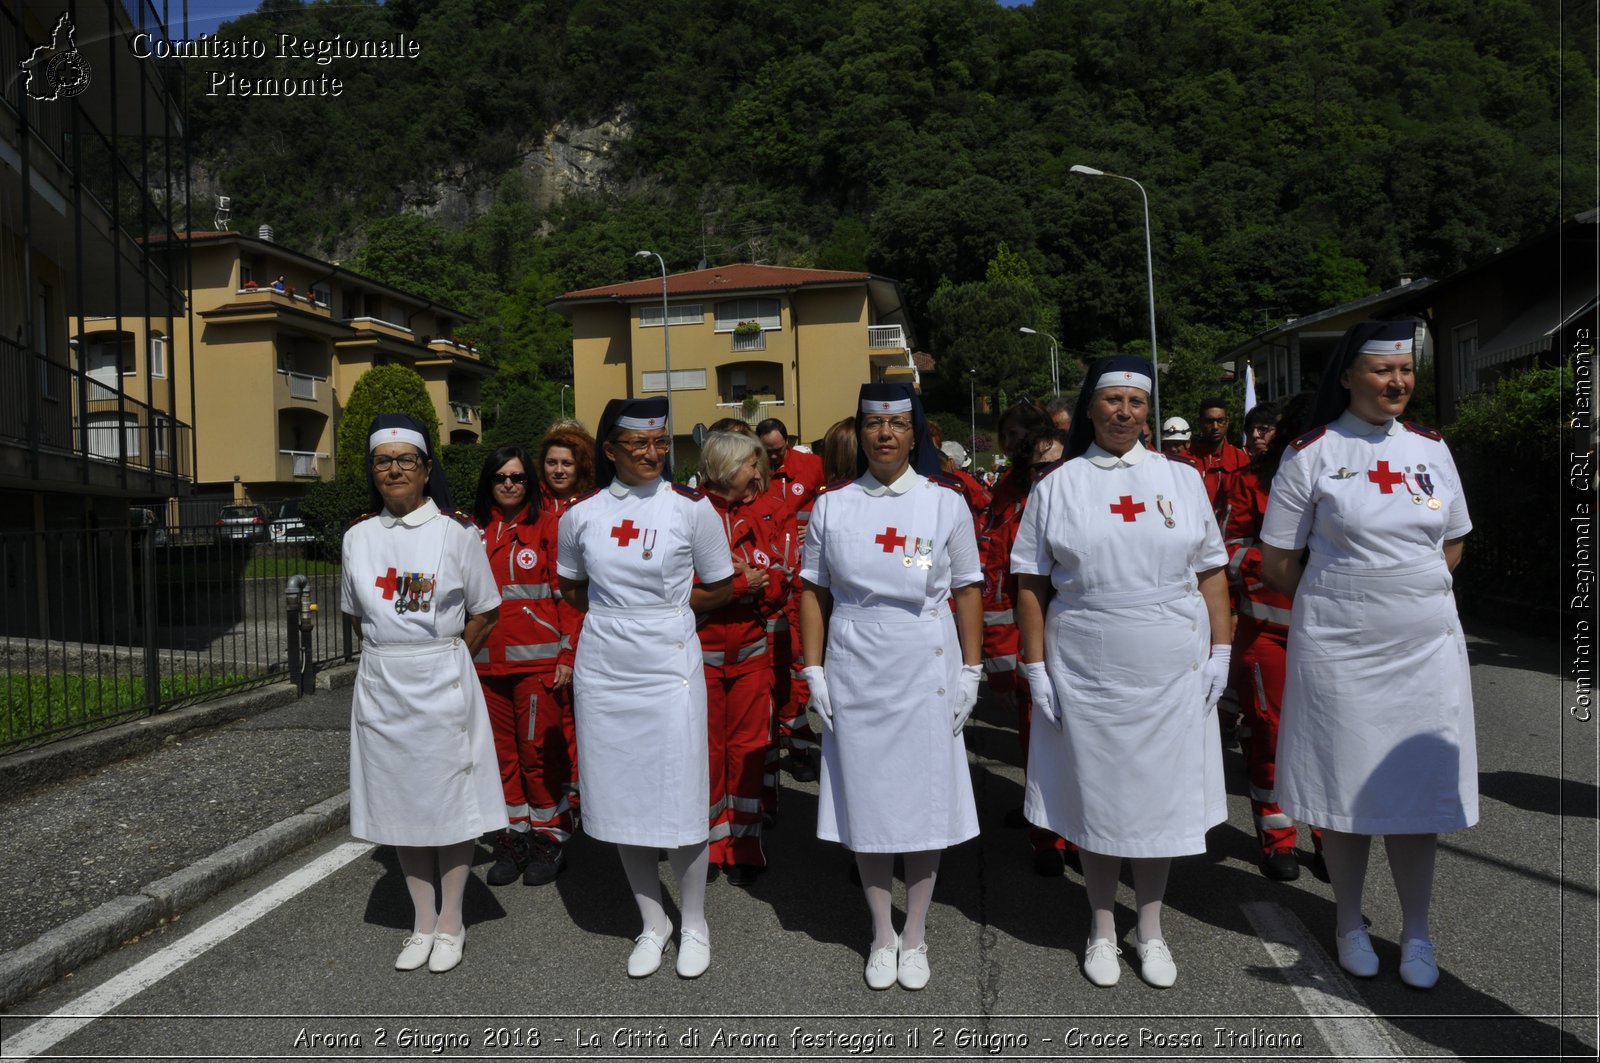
x: 379, y: 325
x: 299, y: 465
x: 273, y: 297
x: 302, y: 385
x: 754, y: 341
x: 882, y: 336
x: 464, y: 413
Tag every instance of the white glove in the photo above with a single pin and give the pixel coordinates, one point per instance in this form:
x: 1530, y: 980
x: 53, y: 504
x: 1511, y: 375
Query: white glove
x: 1042, y: 693
x: 1216, y: 674
x: 966, y: 694
x: 820, y: 702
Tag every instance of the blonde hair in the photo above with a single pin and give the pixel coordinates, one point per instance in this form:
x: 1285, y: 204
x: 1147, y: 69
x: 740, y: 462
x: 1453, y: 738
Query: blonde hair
x: 724, y: 453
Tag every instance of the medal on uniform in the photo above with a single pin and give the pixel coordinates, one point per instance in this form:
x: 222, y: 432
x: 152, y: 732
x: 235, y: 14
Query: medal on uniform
x: 924, y: 554
x: 1342, y: 474
x: 1416, y: 495
x: 648, y: 541
x: 404, y: 589
x: 1165, y: 507
x: 1426, y: 483
x: 424, y: 586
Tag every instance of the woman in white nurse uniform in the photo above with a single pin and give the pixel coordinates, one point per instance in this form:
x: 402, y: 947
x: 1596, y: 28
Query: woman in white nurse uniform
x: 423, y: 773
x: 1377, y: 733
x: 887, y: 552
x: 627, y: 558
x: 1122, y: 606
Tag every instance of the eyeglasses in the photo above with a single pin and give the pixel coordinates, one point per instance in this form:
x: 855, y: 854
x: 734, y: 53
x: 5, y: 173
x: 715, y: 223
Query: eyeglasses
x: 1213, y: 420
x: 407, y: 462
x: 643, y: 446
x: 1262, y: 429
x: 897, y: 425
x: 518, y: 478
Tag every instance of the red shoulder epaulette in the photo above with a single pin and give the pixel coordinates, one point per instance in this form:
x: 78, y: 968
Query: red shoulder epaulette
x: 843, y: 482
x: 944, y: 479
x: 1052, y: 467
x: 463, y: 518
x: 1303, y: 441
x: 362, y: 517
x: 1421, y: 430
x: 586, y: 495
x: 1183, y: 459
x: 688, y: 492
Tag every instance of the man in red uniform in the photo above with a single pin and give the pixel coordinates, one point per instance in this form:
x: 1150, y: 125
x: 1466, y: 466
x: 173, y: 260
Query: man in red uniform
x: 795, y: 478
x: 1216, y: 458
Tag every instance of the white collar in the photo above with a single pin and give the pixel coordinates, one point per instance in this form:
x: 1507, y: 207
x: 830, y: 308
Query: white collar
x: 1360, y: 426
x: 1104, y: 459
x: 905, y: 482
x: 619, y: 489
x: 415, y: 519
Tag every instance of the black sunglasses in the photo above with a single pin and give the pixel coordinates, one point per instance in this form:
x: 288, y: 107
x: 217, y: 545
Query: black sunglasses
x: 508, y: 477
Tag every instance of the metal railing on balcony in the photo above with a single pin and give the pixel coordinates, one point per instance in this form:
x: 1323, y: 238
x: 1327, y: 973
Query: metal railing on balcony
x: 464, y: 414
x: 302, y: 385
x: 302, y: 463
x: 886, y: 336
x: 753, y: 341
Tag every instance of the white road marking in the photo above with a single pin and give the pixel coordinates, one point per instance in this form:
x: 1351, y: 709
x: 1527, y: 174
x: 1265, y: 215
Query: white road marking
x: 68, y: 1020
x: 1349, y: 1027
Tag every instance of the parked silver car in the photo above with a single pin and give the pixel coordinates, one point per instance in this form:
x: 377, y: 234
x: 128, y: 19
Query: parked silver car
x: 287, y: 527
x: 241, y: 523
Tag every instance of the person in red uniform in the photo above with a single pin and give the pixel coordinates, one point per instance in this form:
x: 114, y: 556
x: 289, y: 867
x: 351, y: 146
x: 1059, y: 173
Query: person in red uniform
x: 566, y: 466
x: 735, y: 650
x: 525, y: 661
x: 1021, y: 427
x: 1260, y: 638
x: 1216, y: 458
x: 795, y: 477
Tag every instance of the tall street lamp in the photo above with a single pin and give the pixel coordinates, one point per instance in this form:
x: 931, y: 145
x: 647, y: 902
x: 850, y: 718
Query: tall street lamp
x: 1150, y: 284
x: 1055, y: 361
x: 666, y: 334
x: 972, y: 394
x: 563, y: 398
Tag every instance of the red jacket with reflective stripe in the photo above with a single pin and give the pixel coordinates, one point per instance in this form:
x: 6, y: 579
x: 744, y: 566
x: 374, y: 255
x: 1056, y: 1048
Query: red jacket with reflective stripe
x: 797, y: 482
x: 536, y: 629
x: 1243, y: 506
x: 734, y: 638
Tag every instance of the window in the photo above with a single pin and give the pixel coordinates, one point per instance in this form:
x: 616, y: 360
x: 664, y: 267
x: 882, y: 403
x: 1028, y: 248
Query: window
x: 246, y: 275
x: 682, y: 380
x: 764, y: 312
x: 681, y: 314
x: 158, y: 439
x: 158, y: 354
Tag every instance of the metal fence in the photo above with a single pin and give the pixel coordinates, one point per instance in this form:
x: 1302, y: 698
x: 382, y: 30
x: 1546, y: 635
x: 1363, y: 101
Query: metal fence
x: 105, y: 624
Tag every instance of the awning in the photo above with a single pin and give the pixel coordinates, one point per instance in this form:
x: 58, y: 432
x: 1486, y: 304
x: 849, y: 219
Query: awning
x: 1532, y: 330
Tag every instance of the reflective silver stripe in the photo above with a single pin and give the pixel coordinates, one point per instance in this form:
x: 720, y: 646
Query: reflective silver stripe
x: 1266, y: 797
x: 1006, y: 616
x: 517, y: 811
x: 744, y: 804
x: 1238, y: 558
x: 526, y: 590
x: 1262, y: 611
x: 1004, y: 663
x: 717, y: 807
x: 545, y: 815
x: 745, y: 830
x: 1277, y: 821
x: 539, y: 651
x: 716, y: 658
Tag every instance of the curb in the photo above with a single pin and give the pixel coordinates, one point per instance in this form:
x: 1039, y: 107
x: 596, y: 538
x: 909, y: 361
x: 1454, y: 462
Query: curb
x: 50, y: 763
x: 60, y: 951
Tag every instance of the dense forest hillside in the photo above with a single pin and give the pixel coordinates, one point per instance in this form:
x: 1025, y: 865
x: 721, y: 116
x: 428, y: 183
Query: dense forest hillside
x: 1297, y: 153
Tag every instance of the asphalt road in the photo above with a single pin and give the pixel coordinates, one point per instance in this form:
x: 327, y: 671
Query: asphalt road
x: 295, y: 962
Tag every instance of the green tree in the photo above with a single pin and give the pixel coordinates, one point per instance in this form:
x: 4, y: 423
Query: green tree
x: 381, y: 389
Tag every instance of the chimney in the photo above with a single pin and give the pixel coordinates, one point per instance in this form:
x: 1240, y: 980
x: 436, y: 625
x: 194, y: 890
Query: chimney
x: 265, y: 233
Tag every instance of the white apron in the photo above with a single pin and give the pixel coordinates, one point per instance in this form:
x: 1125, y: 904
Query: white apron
x: 422, y: 761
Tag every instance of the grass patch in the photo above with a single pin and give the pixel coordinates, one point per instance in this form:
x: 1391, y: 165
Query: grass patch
x: 39, y: 705
x: 284, y: 567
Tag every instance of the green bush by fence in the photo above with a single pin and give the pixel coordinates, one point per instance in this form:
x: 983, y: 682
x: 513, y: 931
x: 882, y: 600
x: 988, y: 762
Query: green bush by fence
x: 36, y: 705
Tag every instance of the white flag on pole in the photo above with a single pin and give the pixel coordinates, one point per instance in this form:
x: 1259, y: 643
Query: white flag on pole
x: 1249, y: 396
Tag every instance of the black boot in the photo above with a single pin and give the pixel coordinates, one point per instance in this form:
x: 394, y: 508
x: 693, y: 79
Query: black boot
x: 510, y: 856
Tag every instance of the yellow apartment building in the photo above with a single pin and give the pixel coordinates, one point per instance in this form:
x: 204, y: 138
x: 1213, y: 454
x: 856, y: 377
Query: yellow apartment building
x: 746, y: 341
x: 277, y: 339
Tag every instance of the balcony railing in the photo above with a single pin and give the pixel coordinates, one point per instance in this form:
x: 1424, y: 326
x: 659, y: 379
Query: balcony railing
x: 464, y: 414
x: 302, y: 464
x: 755, y: 341
x: 302, y: 385
x: 886, y: 336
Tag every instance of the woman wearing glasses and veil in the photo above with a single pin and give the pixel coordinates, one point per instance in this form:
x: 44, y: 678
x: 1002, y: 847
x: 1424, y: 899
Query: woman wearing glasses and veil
x: 628, y: 556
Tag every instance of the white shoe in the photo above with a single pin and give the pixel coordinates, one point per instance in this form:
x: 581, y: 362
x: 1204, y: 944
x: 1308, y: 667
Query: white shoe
x: 1356, y: 954
x: 414, y: 953
x: 883, y: 965
x: 646, y: 955
x: 913, y: 972
x: 694, y: 954
x: 447, y: 951
x: 1418, y: 968
x: 1155, y: 963
x: 1100, y: 964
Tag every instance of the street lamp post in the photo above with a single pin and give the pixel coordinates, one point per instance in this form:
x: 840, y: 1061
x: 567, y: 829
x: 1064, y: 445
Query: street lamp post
x: 1150, y: 284
x: 666, y: 333
x: 972, y: 394
x: 563, y: 399
x: 1055, y: 360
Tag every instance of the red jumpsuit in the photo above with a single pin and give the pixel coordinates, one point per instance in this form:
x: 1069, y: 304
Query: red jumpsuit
x: 569, y: 722
x: 795, y: 483
x: 738, y: 669
x: 783, y: 627
x: 1217, y: 469
x: 1260, y: 651
x: 997, y: 533
x: 517, y: 669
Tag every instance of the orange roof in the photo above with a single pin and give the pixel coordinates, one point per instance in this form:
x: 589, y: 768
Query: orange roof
x: 740, y: 277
